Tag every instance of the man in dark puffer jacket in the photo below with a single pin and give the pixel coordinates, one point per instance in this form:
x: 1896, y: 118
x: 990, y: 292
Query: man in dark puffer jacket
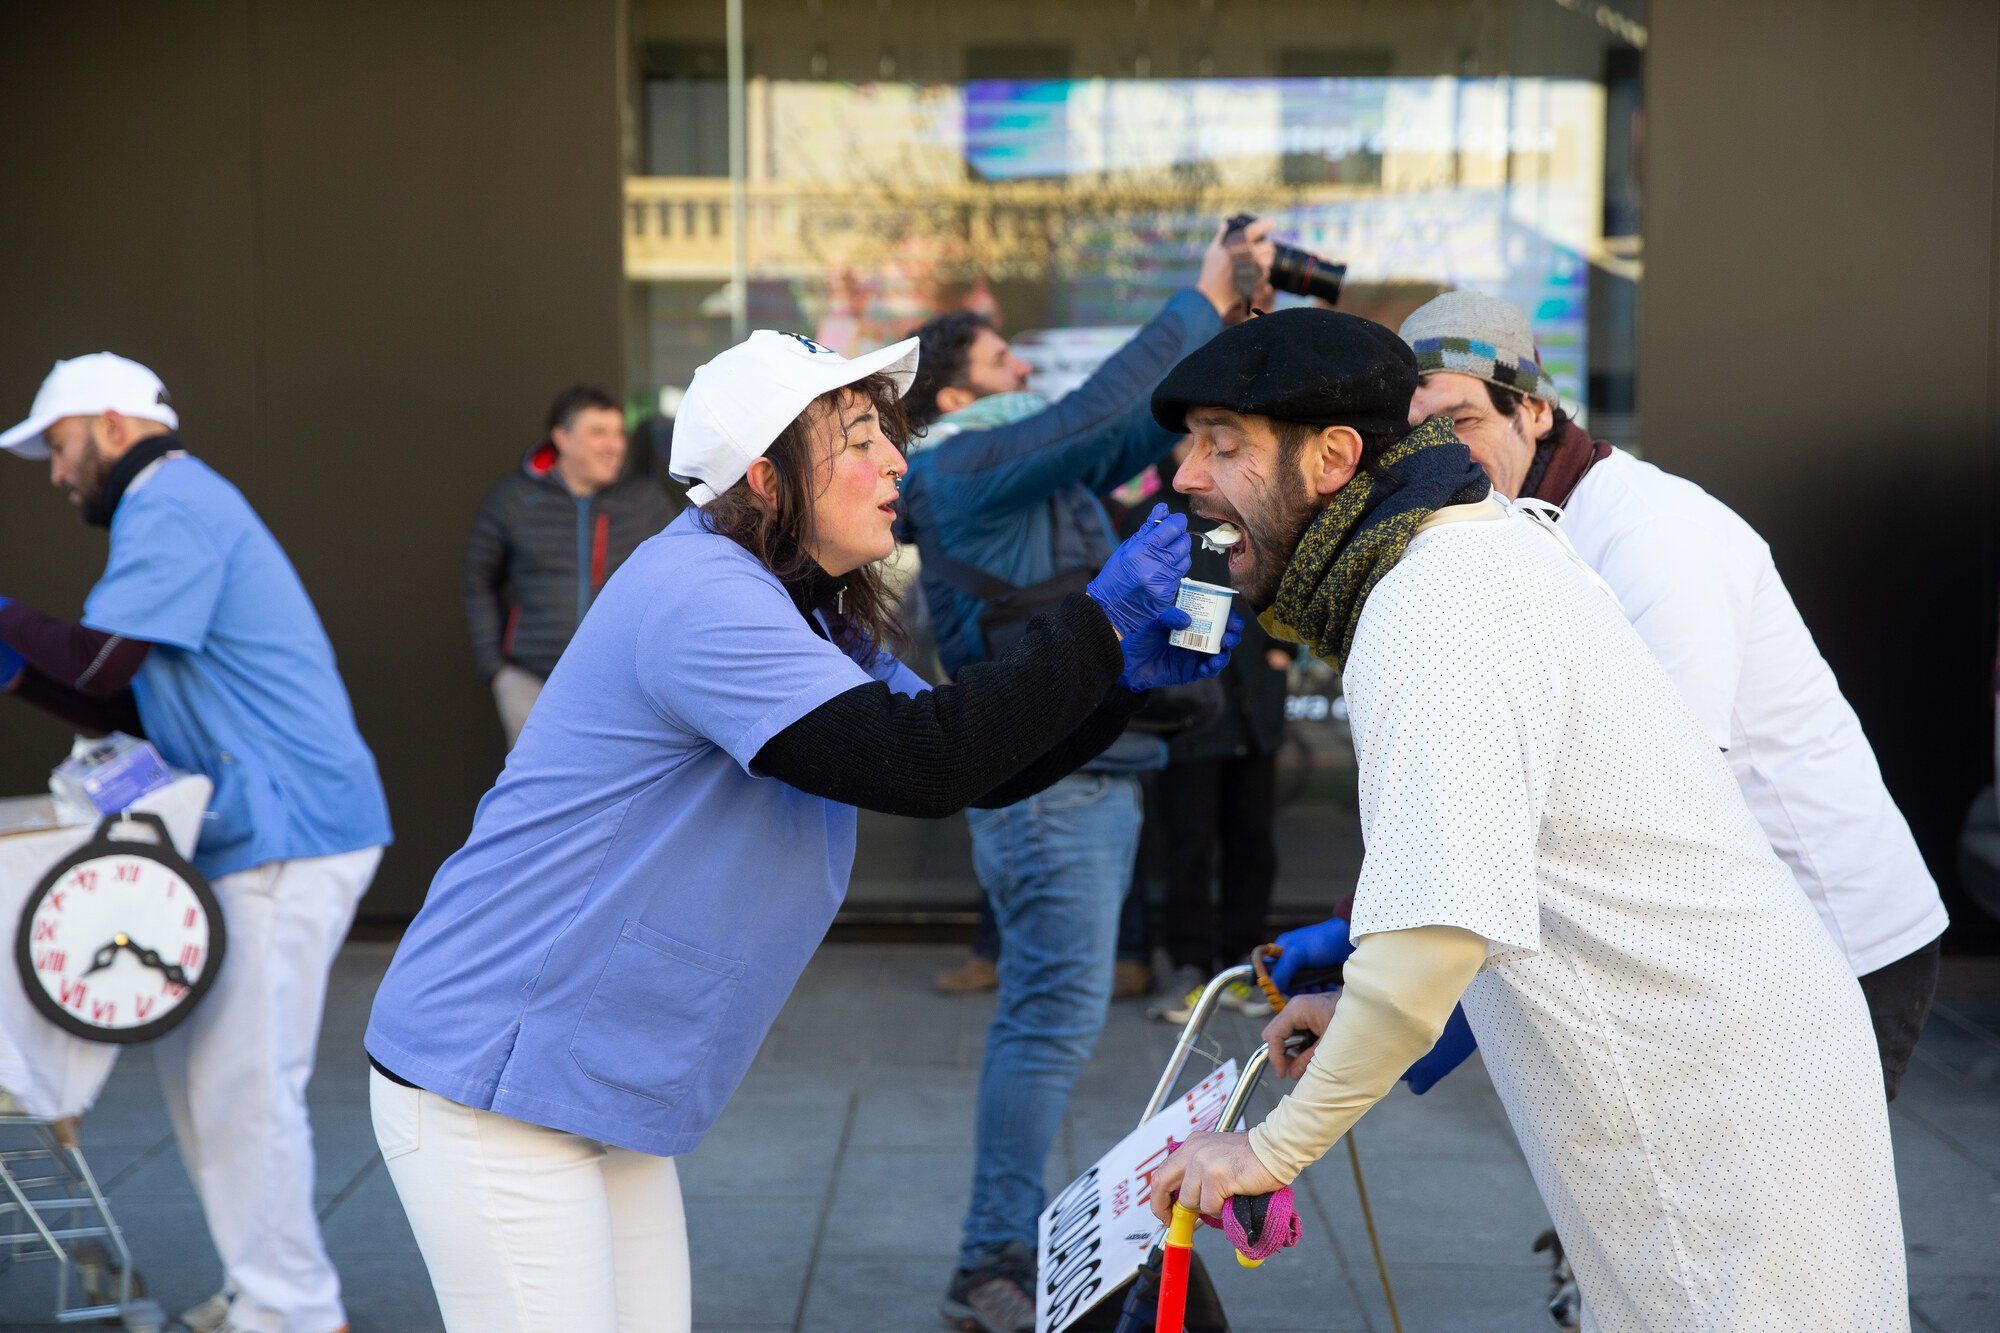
x: 545, y: 541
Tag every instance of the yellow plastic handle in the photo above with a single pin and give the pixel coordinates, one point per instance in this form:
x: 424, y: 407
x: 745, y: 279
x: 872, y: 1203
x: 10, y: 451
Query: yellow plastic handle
x: 1180, y: 1231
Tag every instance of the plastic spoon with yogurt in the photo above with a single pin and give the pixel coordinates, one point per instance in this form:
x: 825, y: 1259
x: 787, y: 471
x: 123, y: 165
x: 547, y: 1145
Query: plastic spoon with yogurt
x: 1221, y: 537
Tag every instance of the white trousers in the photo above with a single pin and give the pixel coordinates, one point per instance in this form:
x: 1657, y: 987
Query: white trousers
x: 532, y: 1230
x: 515, y: 690
x: 234, y: 1076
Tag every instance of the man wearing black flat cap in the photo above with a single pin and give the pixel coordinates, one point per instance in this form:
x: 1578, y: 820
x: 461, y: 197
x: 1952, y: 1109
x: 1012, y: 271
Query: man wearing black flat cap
x: 1553, y: 842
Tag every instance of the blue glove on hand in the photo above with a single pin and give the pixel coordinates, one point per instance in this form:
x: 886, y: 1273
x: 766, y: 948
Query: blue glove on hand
x: 1143, y: 577
x: 1310, y: 949
x: 10, y: 661
x: 1151, y: 661
x: 1453, y: 1045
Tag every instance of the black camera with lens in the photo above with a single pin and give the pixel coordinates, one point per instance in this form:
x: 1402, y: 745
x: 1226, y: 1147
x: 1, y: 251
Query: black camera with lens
x: 1300, y: 272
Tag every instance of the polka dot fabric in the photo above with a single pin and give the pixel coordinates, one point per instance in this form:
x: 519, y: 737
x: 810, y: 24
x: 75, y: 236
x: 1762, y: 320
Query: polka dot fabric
x: 1685, y: 1058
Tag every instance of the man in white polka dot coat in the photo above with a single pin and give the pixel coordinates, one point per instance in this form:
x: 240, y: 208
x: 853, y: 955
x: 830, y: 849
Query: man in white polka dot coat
x: 1553, y: 841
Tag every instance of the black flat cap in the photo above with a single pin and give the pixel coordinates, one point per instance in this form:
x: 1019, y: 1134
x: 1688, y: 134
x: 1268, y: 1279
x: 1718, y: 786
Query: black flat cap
x: 1302, y: 364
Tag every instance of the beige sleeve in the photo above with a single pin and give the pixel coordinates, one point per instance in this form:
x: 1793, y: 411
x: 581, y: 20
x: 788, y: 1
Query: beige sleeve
x: 1400, y: 988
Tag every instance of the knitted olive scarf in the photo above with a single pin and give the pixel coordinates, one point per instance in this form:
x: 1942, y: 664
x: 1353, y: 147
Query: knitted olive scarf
x: 1363, y: 532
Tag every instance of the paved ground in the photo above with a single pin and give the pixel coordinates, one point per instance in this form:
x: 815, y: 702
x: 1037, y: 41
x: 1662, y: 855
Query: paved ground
x: 829, y: 1196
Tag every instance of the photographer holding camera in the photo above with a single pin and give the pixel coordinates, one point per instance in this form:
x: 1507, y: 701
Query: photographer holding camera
x: 1002, y: 501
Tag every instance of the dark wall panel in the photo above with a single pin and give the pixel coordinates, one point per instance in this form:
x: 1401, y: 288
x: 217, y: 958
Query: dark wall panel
x: 1817, y: 342
x: 364, y: 246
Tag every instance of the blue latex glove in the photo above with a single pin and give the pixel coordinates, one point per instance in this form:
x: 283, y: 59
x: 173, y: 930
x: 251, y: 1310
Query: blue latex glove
x: 1151, y: 661
x: 1453, y: 1045
x: 10, y: 661
x: 1309, y: 949
x: 1143, y: 576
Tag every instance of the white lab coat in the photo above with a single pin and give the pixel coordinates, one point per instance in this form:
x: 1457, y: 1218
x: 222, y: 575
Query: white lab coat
x: 1699, y: 585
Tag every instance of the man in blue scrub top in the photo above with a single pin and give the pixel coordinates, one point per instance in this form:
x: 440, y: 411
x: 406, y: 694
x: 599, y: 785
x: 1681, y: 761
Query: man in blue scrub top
x: 200, y: 637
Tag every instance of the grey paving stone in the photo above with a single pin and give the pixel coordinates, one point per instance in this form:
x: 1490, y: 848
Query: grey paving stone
x: 1294, y: 1289
x: 1472, y: 1298
x: 1471, y: 1211
x: 740, y: 1169
x: 368, y: 1222
x: 750, y: 1259
x: 898, y: 1201
x: 1962, y: 1303
x: 895, y: 1293
x: 1942, y: 1193
x: 928, y: 1110
x: 1970, y: 1127
x: 389, y: 1294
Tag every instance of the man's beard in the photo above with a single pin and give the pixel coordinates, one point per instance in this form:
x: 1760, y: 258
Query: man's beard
x: 1272, y: 536
x: 88, y: 487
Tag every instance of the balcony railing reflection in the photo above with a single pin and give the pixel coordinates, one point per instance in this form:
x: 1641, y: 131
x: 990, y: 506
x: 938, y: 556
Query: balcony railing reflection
x: 678, y: 228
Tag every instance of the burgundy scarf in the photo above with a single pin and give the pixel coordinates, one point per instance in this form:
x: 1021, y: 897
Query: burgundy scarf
x: 1560, y: 463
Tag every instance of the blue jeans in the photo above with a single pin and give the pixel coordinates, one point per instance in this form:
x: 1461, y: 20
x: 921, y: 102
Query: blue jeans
x: 1055, y: 867
x: 1135, y: 939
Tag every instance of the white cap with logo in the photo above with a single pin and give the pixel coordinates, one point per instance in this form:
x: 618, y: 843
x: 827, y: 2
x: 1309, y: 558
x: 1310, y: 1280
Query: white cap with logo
x: 85, y: 386
x: 741, y: 401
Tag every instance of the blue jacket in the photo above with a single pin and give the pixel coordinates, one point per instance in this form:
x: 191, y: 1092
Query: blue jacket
x: 1020, y: 501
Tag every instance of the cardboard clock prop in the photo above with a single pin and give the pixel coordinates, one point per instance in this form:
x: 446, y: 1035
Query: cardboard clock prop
x: 121, y: 939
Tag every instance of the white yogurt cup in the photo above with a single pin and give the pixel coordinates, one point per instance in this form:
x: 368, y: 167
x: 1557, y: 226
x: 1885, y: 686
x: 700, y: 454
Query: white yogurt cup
x: 1207, y: 605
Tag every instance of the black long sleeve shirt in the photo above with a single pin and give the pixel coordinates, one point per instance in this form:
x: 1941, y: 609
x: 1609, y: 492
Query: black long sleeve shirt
x: 1007, y: 728
x: 80, y: 675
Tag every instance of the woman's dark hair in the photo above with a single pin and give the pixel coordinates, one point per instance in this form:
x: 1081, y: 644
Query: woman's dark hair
x: 944, y: 347
x: 1508, y: 401
x: 781, y: 537
x: 574, y: 399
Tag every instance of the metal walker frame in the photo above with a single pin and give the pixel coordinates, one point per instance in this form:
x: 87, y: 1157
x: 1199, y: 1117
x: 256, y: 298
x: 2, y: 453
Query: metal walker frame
x: 54, y: 1210
x: 1239, y: 1099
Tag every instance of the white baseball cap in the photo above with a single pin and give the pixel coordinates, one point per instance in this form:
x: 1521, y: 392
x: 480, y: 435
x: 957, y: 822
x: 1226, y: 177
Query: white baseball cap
x: 741, y: 401
x: 85, y: 386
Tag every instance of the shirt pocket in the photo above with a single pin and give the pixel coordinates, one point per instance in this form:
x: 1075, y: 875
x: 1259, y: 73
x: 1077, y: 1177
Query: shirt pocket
x: 653, y: 1014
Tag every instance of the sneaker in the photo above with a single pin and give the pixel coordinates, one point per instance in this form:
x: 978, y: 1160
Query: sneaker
x: 1130, y: 980
x: 212, y: 1316
x: 207, y: 1317
x: 970, y: 977
x: 996, y: 1297
x: 1246, y: 999
x: 1178, y: 997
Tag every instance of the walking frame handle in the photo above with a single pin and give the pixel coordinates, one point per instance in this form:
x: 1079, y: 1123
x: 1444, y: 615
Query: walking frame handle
x: 1232, y: 1112
x: 1204, y: 1008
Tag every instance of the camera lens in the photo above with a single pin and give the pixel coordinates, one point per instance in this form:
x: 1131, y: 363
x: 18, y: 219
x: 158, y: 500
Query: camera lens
x: 1303, y: 273
x: 1300, y: 272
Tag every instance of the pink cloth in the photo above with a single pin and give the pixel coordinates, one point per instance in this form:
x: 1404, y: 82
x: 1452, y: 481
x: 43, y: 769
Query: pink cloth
x: 1281, y: 1230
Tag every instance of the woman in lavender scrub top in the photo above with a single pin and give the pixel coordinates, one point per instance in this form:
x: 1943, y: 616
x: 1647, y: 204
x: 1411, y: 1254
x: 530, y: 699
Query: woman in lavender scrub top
x: 593, y: 972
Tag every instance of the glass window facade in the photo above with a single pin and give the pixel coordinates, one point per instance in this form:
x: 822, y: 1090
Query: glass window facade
x: 1060, y: 167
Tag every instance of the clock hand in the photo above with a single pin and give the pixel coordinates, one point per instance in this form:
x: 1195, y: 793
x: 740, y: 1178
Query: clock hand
x: 102, y: 958
x: 171, y: 971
